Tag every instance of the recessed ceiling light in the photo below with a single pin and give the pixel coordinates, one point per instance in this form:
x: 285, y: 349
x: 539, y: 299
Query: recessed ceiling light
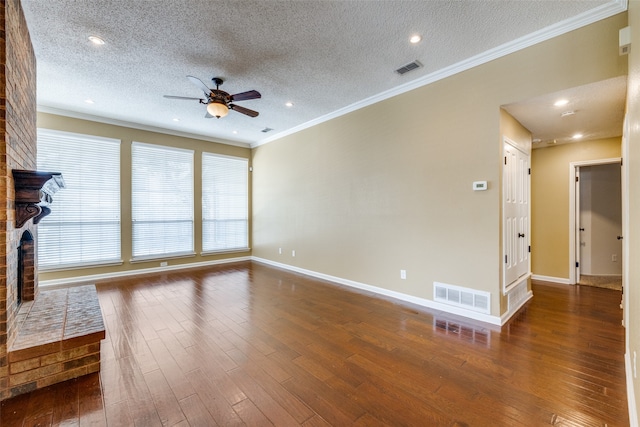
x: 89, y: 101
x: 289, y: 104
x: 96, y: 40
x: 235, y: 132
x: 176, y: 119
x: 577, y: 136
x: 561, y: 102
x: 415, y: 39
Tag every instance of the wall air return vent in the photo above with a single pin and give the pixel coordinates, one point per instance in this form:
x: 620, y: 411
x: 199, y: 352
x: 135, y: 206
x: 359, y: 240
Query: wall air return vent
x: 470, y: 299
x: 409, y: 67
x: 517, y: 295
x: 265, y: 130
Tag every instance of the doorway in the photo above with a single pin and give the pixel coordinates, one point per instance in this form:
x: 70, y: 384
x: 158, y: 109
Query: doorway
x: 597, y: 224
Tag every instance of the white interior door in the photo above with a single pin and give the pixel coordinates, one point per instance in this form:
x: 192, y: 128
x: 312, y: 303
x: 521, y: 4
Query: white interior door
x: 582, y: 235
x: 599, y: 220
x: 606, y: 248
x: 516, y: 185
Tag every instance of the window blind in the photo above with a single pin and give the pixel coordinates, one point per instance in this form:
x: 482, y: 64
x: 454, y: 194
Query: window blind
x: 84, y: 225
x: 162, y: 201
x: 225, y: 206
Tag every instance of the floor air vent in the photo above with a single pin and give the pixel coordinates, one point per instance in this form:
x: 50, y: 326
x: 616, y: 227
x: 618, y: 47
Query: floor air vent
x: 470, y: 299
x: 409, y: 67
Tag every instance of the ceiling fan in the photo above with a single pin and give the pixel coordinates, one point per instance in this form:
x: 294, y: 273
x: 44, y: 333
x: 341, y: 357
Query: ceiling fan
x: 219, y: 102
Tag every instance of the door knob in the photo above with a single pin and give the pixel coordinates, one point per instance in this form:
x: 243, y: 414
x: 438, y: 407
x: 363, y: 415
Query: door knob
x: 520, y: 235
x: 582, y: 229
x: 619, y: 237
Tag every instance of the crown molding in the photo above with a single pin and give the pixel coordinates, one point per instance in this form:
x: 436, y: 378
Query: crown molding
x: 594, y: 15
x: 138, y: 126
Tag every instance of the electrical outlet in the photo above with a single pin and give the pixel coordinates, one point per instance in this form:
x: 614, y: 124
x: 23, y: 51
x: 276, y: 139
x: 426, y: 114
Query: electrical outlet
x: 164, y: 264
x: 403, y: 274
x: 614, y: 257
x: 293, y: 253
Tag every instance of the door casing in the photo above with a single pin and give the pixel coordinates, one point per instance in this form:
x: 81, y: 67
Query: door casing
x: 574, y: 210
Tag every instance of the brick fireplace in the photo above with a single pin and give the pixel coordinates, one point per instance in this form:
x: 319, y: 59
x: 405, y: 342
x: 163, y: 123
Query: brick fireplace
x: 25, y: 286
x: 46, y: 336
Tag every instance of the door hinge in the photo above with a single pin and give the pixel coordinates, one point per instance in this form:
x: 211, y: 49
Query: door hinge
x: 529, y: 171
x: 505, y: 260
x: 505, y: 160
x: 577, y: 264
x: 529, y: 248
x: 621, y: 162
x: 577, y: 179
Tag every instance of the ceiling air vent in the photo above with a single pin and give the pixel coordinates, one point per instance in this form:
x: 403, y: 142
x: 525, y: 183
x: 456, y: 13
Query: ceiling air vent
x: 265, y: 130
x: 409, y: 67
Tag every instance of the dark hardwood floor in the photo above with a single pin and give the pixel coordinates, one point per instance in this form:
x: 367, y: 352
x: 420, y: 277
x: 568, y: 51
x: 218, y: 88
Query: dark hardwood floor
x: 247, y: 344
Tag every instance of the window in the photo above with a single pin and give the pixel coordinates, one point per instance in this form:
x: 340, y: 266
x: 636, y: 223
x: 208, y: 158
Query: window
x: 225, y: 203
x: 84, y: 225
x: 162, y: 201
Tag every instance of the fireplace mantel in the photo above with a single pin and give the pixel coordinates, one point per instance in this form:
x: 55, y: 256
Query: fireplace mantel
x: 34, y: 191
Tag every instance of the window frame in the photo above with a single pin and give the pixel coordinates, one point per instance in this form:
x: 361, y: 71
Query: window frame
x: 230, y: 249
x: 65, y: 138
x: 161, y: 255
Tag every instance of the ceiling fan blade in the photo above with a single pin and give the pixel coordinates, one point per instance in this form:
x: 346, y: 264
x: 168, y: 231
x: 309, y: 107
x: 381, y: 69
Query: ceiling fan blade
x: 244, y: 96
x: 196, y: 81
x: 182, y: 97
x: 243, y: 110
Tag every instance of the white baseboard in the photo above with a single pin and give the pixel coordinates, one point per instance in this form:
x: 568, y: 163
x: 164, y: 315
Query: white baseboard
x: 631, y: 396
x: 494, y: 320
x: 74, y: 281
x: 560, y: 280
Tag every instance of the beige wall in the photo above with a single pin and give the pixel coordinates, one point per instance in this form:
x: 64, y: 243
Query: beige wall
x: 550, y: 201
x: 127, y: 136
x: 389, y: 187
x: 632, y: 237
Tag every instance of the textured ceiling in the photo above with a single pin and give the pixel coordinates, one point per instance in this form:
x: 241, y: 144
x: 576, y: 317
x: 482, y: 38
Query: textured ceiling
x: 327, y: 57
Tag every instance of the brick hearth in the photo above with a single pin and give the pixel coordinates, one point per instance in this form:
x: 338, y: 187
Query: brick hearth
x: 58, y: 339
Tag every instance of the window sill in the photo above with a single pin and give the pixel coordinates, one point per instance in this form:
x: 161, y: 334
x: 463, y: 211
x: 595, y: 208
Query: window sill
x: 225, y: 251
x: 161, y: 257
x: 78, y: 266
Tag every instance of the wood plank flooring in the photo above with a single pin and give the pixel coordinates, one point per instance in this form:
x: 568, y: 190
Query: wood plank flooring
x: 247, y: 344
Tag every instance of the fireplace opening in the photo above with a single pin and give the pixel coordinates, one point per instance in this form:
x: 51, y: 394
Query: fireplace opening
x: 26, y: 268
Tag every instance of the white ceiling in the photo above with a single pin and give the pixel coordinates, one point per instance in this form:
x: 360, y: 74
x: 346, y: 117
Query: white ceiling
x: 595, y: 111
x: 327, y: 57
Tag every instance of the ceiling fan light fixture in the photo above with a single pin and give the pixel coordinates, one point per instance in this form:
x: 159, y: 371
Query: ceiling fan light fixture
x: 217, y: 109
